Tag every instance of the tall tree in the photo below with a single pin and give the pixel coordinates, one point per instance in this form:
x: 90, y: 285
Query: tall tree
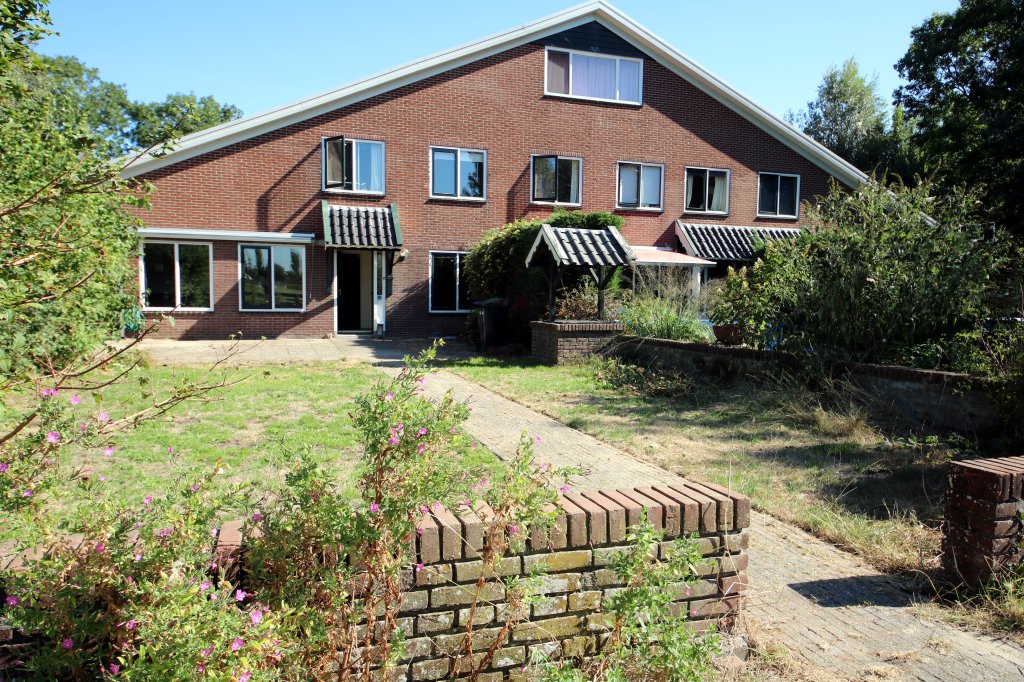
x: 179, y: 114
x: 964, y: 71
x: 848, y: 116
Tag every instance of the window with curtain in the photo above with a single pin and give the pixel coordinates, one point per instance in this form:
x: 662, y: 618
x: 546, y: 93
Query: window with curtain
x: 594, y: 76
x: 458, y: 173
x: 176, y: 275
x: 273, y: 277
x: 354, y: 165
x: 640, y: 185
x: 707, y: 190
x: 778, y: 195
x: 556, y: 179
x: 448, y: 291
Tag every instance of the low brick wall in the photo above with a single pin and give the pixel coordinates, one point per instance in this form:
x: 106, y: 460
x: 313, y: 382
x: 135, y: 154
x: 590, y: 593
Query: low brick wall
x: 556, y: 343
x: 943, y: 400
x: 577, y: 554
x: 982, y: 526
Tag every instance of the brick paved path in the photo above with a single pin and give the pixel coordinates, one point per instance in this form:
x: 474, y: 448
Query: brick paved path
x: 843, y: 618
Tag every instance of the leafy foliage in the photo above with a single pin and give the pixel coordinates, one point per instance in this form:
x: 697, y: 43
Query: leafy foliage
x: 963, y: 71
x: 179, y: 114
x: 883, y: 275
x: 664, y: 318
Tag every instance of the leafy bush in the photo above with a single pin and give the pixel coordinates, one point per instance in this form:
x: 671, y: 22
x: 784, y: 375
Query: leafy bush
x: 882, y: 275
x: 661, y: 318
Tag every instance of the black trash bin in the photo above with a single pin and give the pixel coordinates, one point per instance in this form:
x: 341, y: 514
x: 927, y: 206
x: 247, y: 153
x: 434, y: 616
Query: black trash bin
x: 493, y: 323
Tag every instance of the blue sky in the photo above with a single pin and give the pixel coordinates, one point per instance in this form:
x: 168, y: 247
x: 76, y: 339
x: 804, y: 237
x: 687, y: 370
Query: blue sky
x: 261, y: 53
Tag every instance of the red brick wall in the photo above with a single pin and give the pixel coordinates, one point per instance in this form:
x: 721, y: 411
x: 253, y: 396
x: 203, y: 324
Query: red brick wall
x: 272, y: 182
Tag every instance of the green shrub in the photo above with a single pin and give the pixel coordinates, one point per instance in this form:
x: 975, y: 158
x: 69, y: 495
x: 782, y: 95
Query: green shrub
x: 662, y: 318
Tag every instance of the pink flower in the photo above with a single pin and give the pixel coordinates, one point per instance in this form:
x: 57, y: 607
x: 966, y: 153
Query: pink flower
x: 514, y: 530
x: 48, y: 392
x: 170, y: 450
x: 164, y: 532
x: 544, y: 466
x: 237, y: 644
x: 67, y: 643
x: 419, y: 567
x: 200, y: 668
x: 421, y: 380
x: 194, y: 487
x: 130, y: 625
x: 537, y: 440
x: 564, y: 488
x: 244, y: 677
x: 108, y: 451
x: 421, y: 448
x: 374, y: 507
x: 4, y: 466
x: 27, y: 493
x: 389, y: 396
x: 422, y: 431
x: 103, y: 417
x: 419, y: 531
x: 138, y: 556
x: 213, y: 532
x: 102, y: 477
x: 52, y: 437
x: 256, y: 617
x: 11, y: 601
x: 207, y: 652
x: 257, y: 516
x: 99, y: 548
x: 393, y: 441
x: 436, y: 505
x: 147, y: 500
x: 75, y: 400
x: 114, y: 668
x: 205, y: 585
x: 240, y: 595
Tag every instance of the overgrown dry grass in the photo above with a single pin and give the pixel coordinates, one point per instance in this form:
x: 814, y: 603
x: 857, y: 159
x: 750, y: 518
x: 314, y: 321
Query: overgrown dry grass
x: 814, y: 458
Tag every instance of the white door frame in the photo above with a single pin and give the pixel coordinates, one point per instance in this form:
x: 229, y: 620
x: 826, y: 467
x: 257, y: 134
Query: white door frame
x: 377, y: 299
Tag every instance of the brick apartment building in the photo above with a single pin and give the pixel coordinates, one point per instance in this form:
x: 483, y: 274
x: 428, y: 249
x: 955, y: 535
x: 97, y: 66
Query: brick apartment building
x: 349, y: 211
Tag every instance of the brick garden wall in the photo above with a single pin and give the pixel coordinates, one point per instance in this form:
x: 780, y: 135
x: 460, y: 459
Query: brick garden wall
x: 982, y: 526
x: 556, y: 343
x: 577, y: 554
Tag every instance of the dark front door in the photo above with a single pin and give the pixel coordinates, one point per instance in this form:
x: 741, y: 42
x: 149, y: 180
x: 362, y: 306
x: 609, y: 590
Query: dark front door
x: 350, y: 292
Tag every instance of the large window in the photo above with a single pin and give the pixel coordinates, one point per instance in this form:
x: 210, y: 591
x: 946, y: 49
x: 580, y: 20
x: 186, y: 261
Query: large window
x: 593, y: 76
x: 458, y: 173
x: 640, y: 186
x: 556, y: 180
x: 707, y: 190
x: 778, y: 195
x: 448, y: 293
x: 176, y: 276
x: 353, y: 165
x: 273, y: 277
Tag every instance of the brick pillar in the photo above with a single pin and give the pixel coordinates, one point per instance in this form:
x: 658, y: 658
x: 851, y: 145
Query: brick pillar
x: 981, y: 531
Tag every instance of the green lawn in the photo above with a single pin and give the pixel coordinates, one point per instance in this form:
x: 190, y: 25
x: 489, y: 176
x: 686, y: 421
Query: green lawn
x: 248, y: 429
x: 827, y: 470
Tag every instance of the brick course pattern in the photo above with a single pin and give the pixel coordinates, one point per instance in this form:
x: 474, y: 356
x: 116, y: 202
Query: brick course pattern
x: 577, y: 553
x: 982, y: 526
x: 556, y: 343
x: 272, y: 182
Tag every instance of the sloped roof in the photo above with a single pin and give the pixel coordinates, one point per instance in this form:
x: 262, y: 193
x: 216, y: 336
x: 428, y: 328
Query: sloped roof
x: 575, y: 246
x: 362, y: 227
x: 250, y: 126
x: 728, y: 242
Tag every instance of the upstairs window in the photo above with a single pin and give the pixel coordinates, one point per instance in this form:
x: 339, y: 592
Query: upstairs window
x: 556, y: 180
x: 707, y: 190
x: 640, y: 186
x: 778, y: 195
x: 458, y: 173
x: 354, y: 165
x: 593, y: 76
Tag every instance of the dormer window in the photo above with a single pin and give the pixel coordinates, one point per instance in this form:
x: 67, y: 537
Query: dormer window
x: 355, y: 166
x: 587, y: 75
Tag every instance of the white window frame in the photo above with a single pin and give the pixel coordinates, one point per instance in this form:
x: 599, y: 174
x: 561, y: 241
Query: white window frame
x: 728, y: 189
x: 640, y: 190
x: 177, y: 278
x: 354, y: 141
x: 273, y: 284
x: 776, y: 214
x: 617, y: 59
x: 556, y: 203
x: 458, y: 173
x: 430, y: 280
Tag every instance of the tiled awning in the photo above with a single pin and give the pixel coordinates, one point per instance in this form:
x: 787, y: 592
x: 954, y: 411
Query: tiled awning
x: 362, y: 227
x: 574, y: 246
x: 728, y: 242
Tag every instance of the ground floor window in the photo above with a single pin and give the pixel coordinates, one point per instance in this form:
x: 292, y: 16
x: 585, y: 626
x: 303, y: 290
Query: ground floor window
x: 448, y: 292
x: 177, y: 276
x: 273, y: 277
